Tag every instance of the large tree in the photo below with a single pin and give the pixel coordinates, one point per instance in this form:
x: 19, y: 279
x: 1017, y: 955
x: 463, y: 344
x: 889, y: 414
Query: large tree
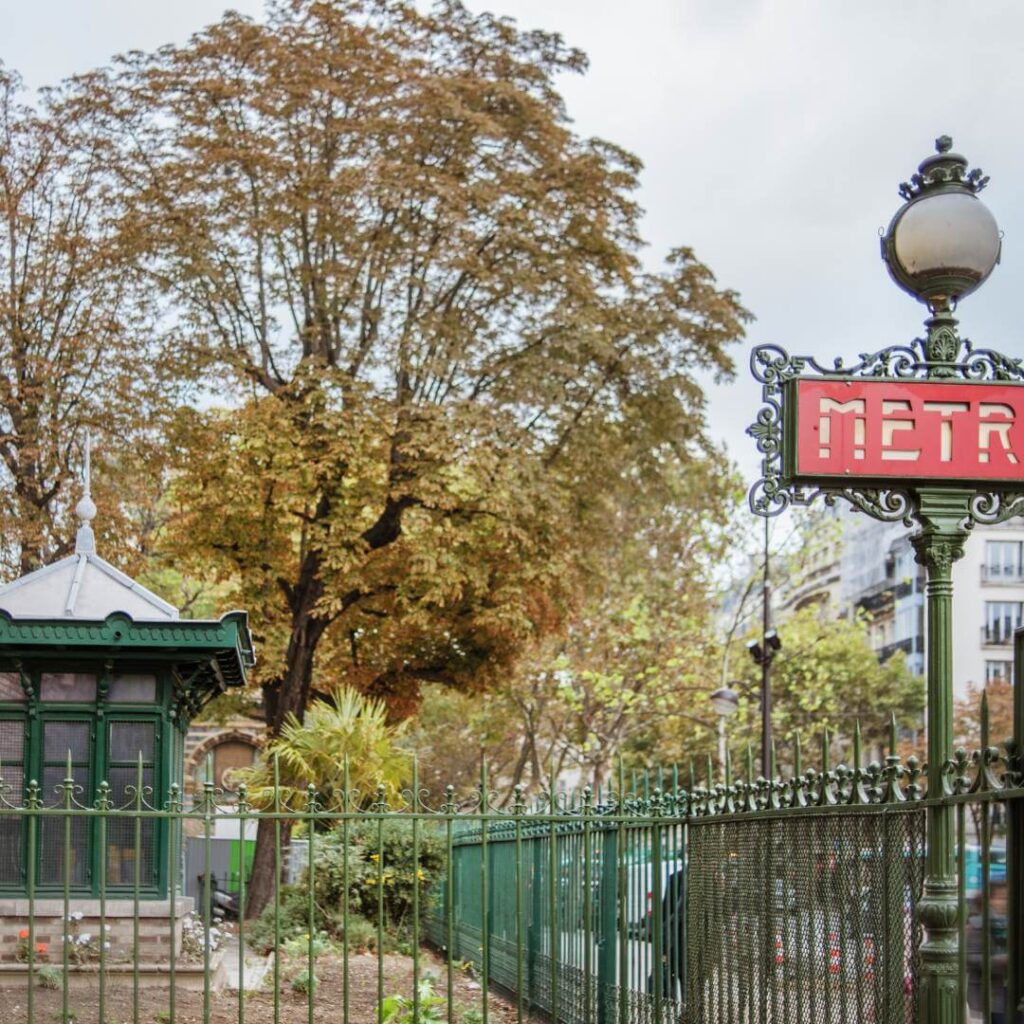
x: 442, y: 367
x: 74, y: 351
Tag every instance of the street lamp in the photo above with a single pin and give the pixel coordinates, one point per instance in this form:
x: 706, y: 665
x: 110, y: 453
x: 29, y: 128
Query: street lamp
x: 943, y: 242
x: 941, y: 245
x: 763, y: 652
x: 724, y: 703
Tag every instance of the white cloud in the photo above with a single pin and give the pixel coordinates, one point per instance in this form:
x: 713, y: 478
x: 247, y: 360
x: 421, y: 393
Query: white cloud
x: 774, y: 135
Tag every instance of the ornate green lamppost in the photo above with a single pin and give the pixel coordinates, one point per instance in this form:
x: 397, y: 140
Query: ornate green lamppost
x: 930, y: 433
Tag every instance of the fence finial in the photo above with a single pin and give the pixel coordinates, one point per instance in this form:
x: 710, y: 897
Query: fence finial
x: 984, y: 719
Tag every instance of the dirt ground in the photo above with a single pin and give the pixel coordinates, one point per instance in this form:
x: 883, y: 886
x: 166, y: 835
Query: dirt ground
x: 328, y: 1005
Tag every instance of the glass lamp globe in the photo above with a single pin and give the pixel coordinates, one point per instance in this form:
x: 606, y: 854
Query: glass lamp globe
x: 725, y: 701
x: 943, y: 242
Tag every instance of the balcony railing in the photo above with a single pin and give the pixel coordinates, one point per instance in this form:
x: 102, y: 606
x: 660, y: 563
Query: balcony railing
x: 1002, y: 574
x: 997, y: 636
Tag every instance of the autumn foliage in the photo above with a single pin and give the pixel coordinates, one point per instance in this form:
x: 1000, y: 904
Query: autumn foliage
x: 429, y: 376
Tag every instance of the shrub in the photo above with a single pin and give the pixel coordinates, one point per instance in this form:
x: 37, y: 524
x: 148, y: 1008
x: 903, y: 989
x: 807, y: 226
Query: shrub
x: 367, y: 851
x: 363, y: 853
x: 49, y: 976
x: 294, y: 923
x: 398, y: 1009
x: 303, y: 982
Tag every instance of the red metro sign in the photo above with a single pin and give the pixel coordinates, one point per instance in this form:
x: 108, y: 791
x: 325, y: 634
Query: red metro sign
x: 902, y: 430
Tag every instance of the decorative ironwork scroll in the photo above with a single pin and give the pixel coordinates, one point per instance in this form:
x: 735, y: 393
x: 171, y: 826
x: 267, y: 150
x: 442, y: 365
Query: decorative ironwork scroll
x: 942, y: 357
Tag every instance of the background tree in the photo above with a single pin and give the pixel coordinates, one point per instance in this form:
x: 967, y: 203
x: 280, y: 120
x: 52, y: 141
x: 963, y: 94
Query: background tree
x: 826, y: 676
x: 638, y: 651
x: 74, y: 354
x: 967, y: 714
x: 374, y: 229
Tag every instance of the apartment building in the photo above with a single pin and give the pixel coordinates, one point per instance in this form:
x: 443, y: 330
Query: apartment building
x: 879, y: 576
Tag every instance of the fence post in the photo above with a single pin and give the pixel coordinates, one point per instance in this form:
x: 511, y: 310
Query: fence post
x: 533, y: 931
x: 1015, y: 836
x: 937, y: 546
x: 607, y: 947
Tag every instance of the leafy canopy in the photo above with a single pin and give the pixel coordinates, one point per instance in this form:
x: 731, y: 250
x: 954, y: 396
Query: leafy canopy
x: 442, y: 369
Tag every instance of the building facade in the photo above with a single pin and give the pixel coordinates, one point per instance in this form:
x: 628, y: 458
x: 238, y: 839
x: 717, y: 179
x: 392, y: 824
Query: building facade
x: 880, y: 577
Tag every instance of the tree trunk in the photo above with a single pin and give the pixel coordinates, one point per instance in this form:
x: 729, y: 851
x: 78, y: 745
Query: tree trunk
x: 282, y: 697
x: 289, y: 694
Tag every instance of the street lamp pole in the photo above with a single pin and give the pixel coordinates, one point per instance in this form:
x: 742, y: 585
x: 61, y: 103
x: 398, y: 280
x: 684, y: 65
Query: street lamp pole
x: 766, y: 668
x: 725, y: 702
x: 907, y: 433
x: 763, y: 652
x: 941, y: 244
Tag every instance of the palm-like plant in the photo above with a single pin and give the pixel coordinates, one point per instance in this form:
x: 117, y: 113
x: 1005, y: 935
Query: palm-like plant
x: 347, y: 726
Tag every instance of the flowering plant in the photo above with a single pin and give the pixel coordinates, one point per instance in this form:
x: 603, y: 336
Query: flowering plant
x: 21, y: 951
x: 194, y: 937
x: 81, y: 946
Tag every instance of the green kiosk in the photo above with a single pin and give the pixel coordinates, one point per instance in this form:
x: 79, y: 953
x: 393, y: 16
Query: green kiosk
x: 99, y: 674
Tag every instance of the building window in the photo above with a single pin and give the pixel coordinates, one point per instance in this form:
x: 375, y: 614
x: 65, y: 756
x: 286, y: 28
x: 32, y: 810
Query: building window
x: 12, y: 773
x: 906, y: 623
x: 220, y: 764
x: 71, y: 726
x: 998, y: 671
x: 1001, y: 619
x: 1004, y: 559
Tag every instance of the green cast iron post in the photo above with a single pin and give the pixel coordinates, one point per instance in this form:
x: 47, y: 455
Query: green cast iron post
x: 940, y: 246
x: 938, y: 545
x: 1015, y: 836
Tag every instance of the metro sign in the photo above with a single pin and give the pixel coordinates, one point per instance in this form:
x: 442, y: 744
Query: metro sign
x: 890, y: 430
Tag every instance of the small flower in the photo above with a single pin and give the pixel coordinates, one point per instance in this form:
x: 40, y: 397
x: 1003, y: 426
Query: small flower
x: 375, y: 857
x: 40, y: 947
x: 85, y: 939
x: 23, y: 934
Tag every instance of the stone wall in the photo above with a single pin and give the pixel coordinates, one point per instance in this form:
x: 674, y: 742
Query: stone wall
x: 154, y: 917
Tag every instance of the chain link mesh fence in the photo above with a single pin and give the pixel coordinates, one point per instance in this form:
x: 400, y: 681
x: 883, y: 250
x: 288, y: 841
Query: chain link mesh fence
x: 805, y: 917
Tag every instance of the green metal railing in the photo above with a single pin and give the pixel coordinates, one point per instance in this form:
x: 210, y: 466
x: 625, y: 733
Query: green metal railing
x: 663, y: 898
x: 742, y: 900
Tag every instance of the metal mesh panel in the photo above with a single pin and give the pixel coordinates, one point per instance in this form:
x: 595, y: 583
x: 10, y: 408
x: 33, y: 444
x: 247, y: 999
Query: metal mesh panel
x: 10, y: 687
x: 129, y: 740
x: 12, y: 753
x: 59, y: 739
x: 121, y: 837
x: 67, y: 686
x: 53, y: 837
x: 12, y: 742
x: 11, y: 826
x: 62, y: 738
x: 804, y: 917
x: 133, y: 688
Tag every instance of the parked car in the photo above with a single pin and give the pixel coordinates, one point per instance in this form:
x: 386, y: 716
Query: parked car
x: 642, y: 889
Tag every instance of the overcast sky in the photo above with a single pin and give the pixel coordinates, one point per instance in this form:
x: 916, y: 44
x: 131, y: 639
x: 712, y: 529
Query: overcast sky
x: 774, y: 135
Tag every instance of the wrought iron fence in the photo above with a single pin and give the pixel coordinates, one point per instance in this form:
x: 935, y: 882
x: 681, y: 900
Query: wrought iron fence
x: 745, y: 900
x: 740, y: 901
x: 661, y: 899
